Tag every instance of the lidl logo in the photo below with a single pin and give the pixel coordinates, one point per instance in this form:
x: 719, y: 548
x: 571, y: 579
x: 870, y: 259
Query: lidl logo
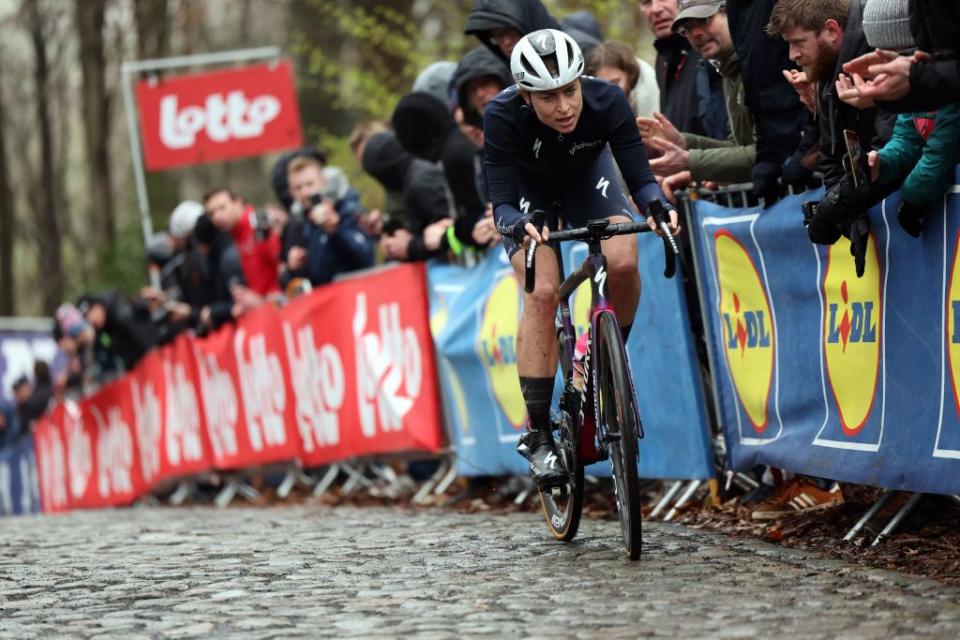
x: 851, y: 333
x: 749, y: 340
x: 496, y: 346
x: 953, y: 328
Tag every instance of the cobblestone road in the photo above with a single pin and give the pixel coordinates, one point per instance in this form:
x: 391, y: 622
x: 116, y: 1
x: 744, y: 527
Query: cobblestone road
x: 311, y: 571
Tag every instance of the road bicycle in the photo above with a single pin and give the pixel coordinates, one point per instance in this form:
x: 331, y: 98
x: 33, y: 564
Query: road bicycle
x: 596, y: 417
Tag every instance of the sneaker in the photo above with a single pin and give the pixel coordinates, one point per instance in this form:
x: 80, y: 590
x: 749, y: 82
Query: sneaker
x: 545, y: 466
x: 796, y: 497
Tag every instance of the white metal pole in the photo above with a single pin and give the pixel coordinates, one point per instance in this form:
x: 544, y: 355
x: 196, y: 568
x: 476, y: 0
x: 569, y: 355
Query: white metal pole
x: 139, y: 176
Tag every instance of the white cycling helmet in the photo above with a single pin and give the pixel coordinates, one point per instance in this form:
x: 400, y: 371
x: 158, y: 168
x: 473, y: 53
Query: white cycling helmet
x: 545, y: 60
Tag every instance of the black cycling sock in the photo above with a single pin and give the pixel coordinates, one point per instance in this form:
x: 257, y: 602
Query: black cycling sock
x: 625, y: 331
x: 537, y: 395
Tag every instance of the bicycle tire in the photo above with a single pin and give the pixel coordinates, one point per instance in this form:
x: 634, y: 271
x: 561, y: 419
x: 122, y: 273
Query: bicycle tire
x: 563, y: 506
x: 619, y: 415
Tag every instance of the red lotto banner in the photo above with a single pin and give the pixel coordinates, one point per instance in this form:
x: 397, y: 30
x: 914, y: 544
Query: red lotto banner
x: 205, y: 117
x: 344, y: 372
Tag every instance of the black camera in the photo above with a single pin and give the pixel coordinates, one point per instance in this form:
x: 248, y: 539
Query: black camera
x: 260, y: 221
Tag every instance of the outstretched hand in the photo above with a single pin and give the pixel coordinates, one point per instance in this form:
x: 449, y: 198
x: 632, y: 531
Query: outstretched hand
x: 847, y: 92
x: 659, y: 126
x: 673, y: 158
x: 805, y: 89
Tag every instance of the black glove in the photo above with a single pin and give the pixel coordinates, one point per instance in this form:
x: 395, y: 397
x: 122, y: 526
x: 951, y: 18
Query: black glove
x: 911, y: 217
x: 859, y: 234
x: 765, y: 184
x: 820, y: 228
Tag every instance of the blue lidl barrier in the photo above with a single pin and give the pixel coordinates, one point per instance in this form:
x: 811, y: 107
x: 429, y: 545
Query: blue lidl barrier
x: 474, y: 316
x: 19, y: 491
x: 823, y: 373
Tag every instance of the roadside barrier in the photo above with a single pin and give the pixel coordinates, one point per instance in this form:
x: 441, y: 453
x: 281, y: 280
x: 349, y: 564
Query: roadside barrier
x: 474, y: 317
x: 823, y: 373
x: 343, y: 373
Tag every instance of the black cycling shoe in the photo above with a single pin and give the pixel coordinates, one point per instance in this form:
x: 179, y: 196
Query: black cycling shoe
x: 538, y: 447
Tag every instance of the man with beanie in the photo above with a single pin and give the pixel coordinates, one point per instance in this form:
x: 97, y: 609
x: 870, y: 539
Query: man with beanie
x: 927, y: 80
x: 420, y: 185
x: 925, y: 147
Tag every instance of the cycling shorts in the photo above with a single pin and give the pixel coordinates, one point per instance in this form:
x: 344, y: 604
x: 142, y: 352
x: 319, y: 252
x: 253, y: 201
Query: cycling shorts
x: 593, y: 195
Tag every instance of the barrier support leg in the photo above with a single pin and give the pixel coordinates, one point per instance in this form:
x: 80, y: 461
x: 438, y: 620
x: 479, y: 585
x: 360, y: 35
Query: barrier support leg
x: 898, y: 518
x: 230, y: 491
x: 667, y: 497
x: 447, y: 480
x: 687, y: 494
x: 357, y: 478
x: 868, y: 516
x: 294, y: 476
x: 182, y: 492
x: 326, y: 481
x: 420, y: 496
x: 528, y: 488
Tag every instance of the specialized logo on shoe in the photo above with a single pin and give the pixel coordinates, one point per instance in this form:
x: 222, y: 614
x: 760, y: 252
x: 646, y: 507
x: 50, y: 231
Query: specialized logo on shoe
x: 851, y: 333
x: 748, y: 335
x: 550, y: 460
x: 496, y: 348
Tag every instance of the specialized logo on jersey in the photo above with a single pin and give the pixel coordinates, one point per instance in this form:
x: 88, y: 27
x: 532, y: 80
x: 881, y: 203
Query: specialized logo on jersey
x: 851, y: 338
x: 602, y: 186
x: 748, y: 336
x: 536, y: 148
x: 496, y: 347
x: 953, y: 327
x: 524, y: 205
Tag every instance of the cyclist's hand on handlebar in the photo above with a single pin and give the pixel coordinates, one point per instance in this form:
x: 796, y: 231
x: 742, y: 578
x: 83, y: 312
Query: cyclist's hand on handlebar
x: 541, y: 235
x: 673, y: 224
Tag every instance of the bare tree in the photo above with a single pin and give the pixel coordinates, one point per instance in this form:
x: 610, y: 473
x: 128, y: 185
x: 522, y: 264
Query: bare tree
x: 49, y: 234
x: 8, y: 301
x: 153, y: 41
x: 89, y: 20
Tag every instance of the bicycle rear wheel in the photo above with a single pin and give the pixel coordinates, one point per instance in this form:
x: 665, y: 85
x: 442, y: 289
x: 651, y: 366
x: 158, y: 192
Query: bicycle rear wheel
x: 563, y: 505
x: 619, y: 416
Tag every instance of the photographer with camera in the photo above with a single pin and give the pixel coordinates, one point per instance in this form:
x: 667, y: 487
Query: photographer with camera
x: 332, y: 240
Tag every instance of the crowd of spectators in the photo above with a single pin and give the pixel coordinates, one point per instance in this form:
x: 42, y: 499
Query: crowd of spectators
x: 779, y: 94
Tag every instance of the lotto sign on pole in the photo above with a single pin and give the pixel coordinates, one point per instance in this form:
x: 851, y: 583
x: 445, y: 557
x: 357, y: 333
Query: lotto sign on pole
x: 204, y: 117
x: 824, y: 373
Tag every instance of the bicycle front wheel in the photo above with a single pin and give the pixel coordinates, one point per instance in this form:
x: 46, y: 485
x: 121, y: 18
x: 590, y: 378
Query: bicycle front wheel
x: 619, y: 416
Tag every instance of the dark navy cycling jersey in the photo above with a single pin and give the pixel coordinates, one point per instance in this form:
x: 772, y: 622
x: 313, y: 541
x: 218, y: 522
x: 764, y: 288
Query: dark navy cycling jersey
x: 519, y: 149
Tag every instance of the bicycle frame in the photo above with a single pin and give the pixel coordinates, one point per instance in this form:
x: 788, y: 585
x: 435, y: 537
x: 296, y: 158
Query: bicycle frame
x: 594, y: 269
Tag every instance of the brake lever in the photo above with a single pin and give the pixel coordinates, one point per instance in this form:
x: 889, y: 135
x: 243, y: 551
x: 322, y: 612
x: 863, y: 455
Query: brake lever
x: 670, y: 248
x: 530, y: 266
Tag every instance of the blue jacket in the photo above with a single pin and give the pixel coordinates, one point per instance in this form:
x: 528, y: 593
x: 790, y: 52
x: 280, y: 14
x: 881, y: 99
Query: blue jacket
x: 346, y: 249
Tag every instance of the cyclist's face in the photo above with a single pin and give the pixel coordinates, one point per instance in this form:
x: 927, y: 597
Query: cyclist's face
x: 559, y: 109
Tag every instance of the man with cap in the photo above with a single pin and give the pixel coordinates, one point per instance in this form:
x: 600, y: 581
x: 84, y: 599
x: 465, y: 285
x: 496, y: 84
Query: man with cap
x: 691, y: 96
x: 686, y: 156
